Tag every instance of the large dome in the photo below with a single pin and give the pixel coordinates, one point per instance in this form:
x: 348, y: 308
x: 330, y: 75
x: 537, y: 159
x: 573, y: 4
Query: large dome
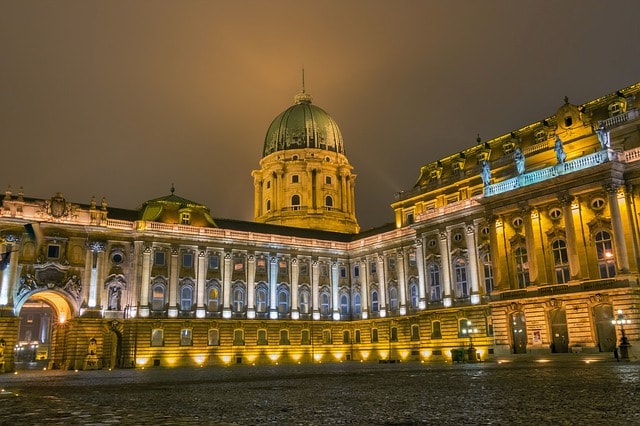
x: 303, y: 125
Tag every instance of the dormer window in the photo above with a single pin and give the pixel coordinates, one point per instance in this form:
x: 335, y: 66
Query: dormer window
x: 540, y: 136
x: 185, y: 218
x: 617, y: 107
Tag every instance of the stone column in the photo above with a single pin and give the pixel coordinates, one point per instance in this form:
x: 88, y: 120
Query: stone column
x: 334, y: 291
x: 622, y: 259
x: 295, y: 276
x: 364, y: 292
x: 352, y: 196
x: 472, y: 251
x: 93, y: 258
x: 257, y: 196
x: 173, y: 284
x: 315, y: 279
x: 144, y: 282
x: 226, y: 286
x: 344, y: 206
x: 445, y: 259
x: 382, y: 286
x: 494, y: 252
x: 201, y: 282
x: 273, y: 277
x: 422, y: 283
x: 530, y: 244
x: 402, y: 293
x: 10, y: 273
x: 570, y: 234
x: 251, y: 286
x: 632, y: 214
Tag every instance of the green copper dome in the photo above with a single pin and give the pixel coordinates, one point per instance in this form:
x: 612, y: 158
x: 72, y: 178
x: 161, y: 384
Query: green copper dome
x: 303, y: 125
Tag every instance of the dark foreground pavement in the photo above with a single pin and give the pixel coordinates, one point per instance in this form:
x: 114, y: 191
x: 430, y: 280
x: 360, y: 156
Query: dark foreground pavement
x: 564, y: 391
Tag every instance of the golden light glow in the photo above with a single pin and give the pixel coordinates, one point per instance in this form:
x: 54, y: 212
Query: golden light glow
x: 426, y: 353
x: 63, y: 318
x: 404, y: 354
x: 317, y: 357
x: 250, y: 357
x: 542, y: 361
x: 296, y: 356
x: 226, y: 359
x: 274, y: 356
x: 383, y: 354
x: 199, y: 359
x: 364, y: 354
x: 338, y: 355
x: 171, y: 361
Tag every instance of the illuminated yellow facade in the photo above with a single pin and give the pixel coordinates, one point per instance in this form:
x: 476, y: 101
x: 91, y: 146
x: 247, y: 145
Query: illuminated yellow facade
x: 525, y: 243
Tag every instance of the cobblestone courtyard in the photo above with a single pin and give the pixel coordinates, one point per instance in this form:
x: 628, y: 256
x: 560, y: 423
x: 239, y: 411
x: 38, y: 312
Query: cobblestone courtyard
x: 565, y: 390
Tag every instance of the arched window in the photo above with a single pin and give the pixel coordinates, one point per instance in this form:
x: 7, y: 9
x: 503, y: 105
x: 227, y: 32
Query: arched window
x: 186, y: 298
x: 261, y: 298
x: 304, y: 301
x: 283, y: 300
x: 324, y: 303
x: 460, y: 274
x: 328, y: 202
x: 157, y: 297
x: 393, y: 298
x: 344, y: 305
x: 268, y: 205
x: 295, y: 202
x: 213, y: 298
x: 375, y: 303
x: 415, y: 332
x: 522, y: 266
x: 238, y: 298
x: 487, y: 269
x: 413, y: 294
x: 560, y: 261
x: 357, y: 304
x: 604, y: 250
x: 434, y: 282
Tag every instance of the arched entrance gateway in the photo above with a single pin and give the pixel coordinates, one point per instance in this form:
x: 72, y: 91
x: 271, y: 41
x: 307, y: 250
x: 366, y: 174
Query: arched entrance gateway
x: 44, y: 316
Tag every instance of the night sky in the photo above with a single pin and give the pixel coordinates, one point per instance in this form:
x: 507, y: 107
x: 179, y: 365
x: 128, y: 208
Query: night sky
x: 123, y: 98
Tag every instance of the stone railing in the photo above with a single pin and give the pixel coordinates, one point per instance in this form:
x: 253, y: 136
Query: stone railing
x: 449, y: 208
x: 541, y: 175
x: 617, y: 120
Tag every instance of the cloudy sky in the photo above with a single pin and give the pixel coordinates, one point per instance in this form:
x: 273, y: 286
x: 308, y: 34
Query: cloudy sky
x: 123, y: 98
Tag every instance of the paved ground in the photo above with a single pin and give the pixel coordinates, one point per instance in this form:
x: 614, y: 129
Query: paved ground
x: 566, y: 390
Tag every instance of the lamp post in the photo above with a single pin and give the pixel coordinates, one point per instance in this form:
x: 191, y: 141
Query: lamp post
x: 471, y: 352
x: 624, y: 342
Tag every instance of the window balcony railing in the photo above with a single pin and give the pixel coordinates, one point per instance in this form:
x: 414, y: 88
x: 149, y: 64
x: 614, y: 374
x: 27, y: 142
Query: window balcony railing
x: 619, y: 119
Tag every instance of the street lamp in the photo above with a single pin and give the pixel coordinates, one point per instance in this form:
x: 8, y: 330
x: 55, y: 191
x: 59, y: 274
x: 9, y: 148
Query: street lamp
x: 624, y: 342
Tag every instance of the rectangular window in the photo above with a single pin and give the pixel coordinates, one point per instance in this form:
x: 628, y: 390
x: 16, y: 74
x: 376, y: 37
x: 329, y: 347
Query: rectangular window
x: 214, y: 262
x: 324, y: 270
x: 294, y: 179
x: 409, y: 218
x: 412, y: 260
x: 304, y: 269
x: 436, y: 333
x: 53, y: 251
x: 238, y: 264
x: 187, y: 260
x: 261, y: 265
x: 157, y: 337
x: 326, y: 337
x: 185, y: 337
x: 158, y: 259
x: 343, y: 272
x: 284, y: 337
x: 327, y: 180
x: 282, y: 266
x: 415, y: 332
x: 214, y: 337
x: 356, y: 271
x: 262, y: 337
x: 374, y: 335
x: 185, y: 218
x: 373, y: 267
x: 358, y: 336
x: 392, y: 264
x: 238, y: 338
x: 305, y: 339
x: 394, y: 334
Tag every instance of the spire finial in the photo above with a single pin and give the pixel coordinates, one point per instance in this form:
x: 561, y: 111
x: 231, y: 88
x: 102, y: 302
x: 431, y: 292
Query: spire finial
x: 173, y: 189
x: 302, y: 97
x: 303, y: 79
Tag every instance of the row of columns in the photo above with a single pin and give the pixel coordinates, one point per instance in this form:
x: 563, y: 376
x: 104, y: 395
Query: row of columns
x: 500, y: 250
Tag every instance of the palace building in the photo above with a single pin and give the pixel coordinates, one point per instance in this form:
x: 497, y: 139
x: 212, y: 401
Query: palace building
x: 525, y: 243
